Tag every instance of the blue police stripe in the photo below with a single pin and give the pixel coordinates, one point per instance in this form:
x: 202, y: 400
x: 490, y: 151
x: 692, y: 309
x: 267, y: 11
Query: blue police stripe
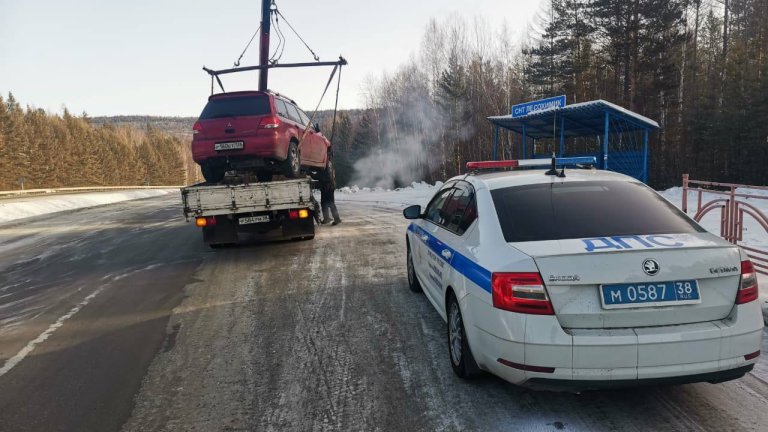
x: 472, y: 271
x: 468, y: 268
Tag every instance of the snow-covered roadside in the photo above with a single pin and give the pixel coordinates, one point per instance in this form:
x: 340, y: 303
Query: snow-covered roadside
x: 416, y: 193
x: 420, y: 193
x: 19, y: 208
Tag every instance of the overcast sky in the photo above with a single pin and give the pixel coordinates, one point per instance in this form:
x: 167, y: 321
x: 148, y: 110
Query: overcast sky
x: 145, y: 57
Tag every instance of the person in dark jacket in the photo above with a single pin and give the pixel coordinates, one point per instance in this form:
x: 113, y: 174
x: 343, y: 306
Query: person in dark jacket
x: 327, y: 202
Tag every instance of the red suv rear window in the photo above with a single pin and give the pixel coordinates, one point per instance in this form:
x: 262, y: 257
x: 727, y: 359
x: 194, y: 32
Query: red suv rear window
x: 236, y: 107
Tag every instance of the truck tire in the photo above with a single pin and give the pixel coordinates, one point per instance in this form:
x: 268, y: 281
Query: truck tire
x: 213, y: 173
x: 292, y: 163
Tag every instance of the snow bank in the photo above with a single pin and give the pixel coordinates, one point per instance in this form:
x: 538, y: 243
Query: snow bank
x: 19, y: 208
x: 416, y: 193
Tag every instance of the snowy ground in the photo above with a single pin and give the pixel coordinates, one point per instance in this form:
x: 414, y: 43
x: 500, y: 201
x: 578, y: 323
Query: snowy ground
x: 19, y: 208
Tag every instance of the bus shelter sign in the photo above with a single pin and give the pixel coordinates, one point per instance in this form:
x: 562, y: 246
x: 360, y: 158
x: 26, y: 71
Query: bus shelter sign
x: 526, y: 108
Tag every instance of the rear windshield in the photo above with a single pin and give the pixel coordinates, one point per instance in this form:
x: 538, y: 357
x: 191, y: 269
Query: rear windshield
x: 236, y: 107
x: 555, y: 211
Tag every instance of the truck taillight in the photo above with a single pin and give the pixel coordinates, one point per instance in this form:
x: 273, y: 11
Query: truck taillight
x: 205, y: 221
x: 271, y: 122
x: 197, y: 128
x: 520, y: 292
x: 298, y: 214
x: 748, y: 283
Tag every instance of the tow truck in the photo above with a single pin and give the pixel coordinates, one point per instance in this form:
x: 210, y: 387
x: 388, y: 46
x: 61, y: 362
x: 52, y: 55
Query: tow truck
x: 277, y: 210
x: 239, y: 203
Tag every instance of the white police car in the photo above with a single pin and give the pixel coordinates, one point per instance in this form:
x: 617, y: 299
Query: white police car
x: 584, y: 281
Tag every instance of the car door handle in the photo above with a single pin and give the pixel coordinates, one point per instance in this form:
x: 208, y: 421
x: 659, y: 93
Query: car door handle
x: 424, y: 237
x: 446, y: 254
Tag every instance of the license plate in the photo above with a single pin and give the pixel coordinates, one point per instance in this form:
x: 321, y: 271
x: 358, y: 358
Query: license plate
x: 235, y: 145
x: 253, y: 220
x: 646, y: 294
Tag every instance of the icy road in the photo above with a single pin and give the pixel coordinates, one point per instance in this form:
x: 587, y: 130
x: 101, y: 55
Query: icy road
x: 118, y: 317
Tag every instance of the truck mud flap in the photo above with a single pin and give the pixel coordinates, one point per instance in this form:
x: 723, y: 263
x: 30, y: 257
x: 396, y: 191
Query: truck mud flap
x: 224, y: 232
x: 299, y: 228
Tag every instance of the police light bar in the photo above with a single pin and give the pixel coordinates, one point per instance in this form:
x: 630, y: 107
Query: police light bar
x: 578, y: 160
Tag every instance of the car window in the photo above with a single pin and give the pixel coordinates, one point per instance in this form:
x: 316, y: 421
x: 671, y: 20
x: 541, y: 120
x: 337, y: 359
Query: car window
x: 554, y: 211
x: 293, y: 113
x: 469, y: 216
x: 304, y: 117
x: 456, y: 208
x: 236, y: 107
x: 434, y: 210
x: 281, y: 109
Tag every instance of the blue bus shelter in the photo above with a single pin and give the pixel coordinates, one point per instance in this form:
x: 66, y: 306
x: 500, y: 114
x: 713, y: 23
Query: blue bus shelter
x: 617, y: 137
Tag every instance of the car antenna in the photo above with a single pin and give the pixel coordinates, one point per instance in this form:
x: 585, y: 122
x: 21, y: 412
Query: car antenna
x: 553, y: 169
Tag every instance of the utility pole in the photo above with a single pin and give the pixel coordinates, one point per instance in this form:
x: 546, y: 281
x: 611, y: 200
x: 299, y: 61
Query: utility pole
x: 264, y: 45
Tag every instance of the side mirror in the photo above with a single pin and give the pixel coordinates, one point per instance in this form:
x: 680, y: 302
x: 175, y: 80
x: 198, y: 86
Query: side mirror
x: 412, y: 212
x: 317, y: 127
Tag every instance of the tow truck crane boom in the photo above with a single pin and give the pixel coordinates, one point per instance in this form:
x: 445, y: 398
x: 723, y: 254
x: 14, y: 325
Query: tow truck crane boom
x: 266, y: 13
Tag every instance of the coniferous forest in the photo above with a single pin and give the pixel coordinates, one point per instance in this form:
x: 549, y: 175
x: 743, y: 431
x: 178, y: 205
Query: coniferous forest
x: 49, y: 151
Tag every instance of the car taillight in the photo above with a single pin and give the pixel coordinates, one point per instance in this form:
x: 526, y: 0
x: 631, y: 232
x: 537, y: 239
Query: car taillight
x: 748, y: 284
x: 197, y: 128
x: 520, y: 292
x: 270, y: 122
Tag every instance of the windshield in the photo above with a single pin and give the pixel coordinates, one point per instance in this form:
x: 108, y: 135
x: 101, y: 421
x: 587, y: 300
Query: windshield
x: 236, y: 107
x: 555, y: 211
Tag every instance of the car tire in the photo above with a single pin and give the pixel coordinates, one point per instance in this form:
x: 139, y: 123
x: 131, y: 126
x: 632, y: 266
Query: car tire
x: 213, y: 173
x: 459, y: 354
x: 292, y: 164
x: 329, y: 173
x: 413, y: 281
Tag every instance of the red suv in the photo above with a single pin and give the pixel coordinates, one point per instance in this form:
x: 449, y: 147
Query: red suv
x: 257, y: 132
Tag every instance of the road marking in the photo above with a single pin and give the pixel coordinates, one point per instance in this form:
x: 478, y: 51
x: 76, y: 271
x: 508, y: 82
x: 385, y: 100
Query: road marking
x: 13, y: 361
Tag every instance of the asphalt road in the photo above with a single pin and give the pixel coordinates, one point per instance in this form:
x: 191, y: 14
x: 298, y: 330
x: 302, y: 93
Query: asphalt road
x: 119, y: 318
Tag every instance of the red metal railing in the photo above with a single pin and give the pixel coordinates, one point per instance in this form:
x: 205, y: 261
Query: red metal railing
x: 732, y: 210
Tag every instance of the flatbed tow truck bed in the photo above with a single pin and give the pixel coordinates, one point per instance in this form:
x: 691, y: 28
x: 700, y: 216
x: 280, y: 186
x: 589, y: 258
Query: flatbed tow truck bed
x: 225, y: 210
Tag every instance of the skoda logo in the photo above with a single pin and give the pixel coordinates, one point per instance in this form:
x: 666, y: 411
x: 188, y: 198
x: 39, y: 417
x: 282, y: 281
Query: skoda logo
x: 651, y: 267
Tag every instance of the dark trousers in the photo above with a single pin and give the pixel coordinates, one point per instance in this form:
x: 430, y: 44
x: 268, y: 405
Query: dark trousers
x: 330, y: 205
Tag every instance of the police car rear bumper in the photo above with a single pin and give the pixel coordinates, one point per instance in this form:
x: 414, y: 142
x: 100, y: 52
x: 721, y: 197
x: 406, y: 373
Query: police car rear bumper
x: 582, y: 385
x: 600, y: 358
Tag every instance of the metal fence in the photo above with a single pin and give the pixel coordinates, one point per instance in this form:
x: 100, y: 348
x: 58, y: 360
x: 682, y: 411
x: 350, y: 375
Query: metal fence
x: 733, y: 207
